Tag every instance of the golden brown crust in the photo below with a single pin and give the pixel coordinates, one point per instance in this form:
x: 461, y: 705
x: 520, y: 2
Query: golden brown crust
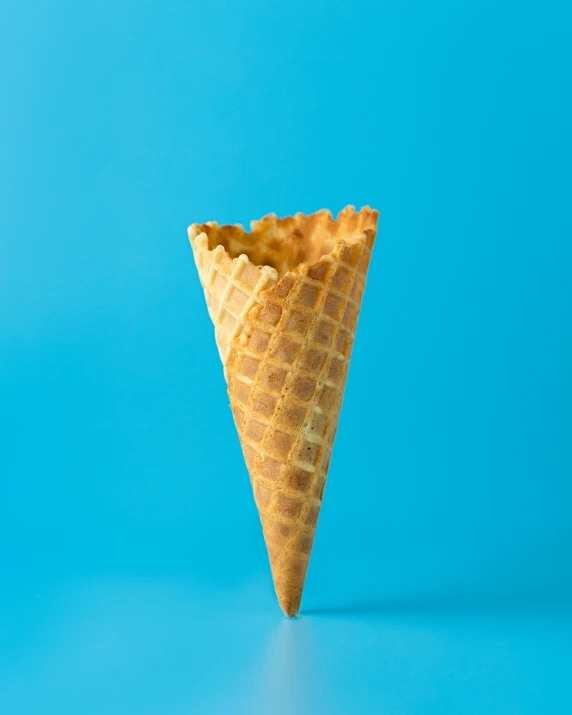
x: 286, y: 348
x: 285, y: 243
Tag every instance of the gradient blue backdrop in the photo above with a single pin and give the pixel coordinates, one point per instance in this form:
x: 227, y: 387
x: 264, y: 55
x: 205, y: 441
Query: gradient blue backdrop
x: 133, y: 572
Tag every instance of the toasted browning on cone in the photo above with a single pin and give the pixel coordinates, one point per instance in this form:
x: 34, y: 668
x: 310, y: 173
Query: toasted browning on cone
x: 285, y: 300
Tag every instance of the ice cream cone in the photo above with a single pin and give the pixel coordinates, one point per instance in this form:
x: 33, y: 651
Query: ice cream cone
x: 285, y: 300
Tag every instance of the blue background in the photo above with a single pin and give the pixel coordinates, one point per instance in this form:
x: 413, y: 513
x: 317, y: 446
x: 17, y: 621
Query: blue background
x: 133, y: 574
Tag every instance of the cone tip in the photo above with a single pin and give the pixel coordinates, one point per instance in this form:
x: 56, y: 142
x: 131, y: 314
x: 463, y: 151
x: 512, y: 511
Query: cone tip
x: 289, y: 600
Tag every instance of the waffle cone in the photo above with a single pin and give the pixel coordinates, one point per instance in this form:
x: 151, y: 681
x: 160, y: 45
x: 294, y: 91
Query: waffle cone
x: 285, y: 299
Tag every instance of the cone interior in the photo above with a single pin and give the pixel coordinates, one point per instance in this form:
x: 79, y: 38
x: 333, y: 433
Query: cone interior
x: 285, y: 299
x: 284, y: 244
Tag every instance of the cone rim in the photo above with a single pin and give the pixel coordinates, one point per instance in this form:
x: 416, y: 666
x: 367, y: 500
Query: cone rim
x: 200, y: 240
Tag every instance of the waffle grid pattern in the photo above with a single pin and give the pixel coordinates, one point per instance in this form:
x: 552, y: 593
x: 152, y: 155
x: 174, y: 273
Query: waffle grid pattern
x: 285, y: 346
x: 238, y: 285
x: 287, y: 406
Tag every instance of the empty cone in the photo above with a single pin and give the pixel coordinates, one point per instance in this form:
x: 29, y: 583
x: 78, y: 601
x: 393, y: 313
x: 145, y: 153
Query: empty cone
x: 285, y: 299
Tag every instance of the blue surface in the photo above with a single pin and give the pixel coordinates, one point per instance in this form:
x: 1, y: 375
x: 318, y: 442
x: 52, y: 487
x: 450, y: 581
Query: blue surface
x: 134, y: 577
